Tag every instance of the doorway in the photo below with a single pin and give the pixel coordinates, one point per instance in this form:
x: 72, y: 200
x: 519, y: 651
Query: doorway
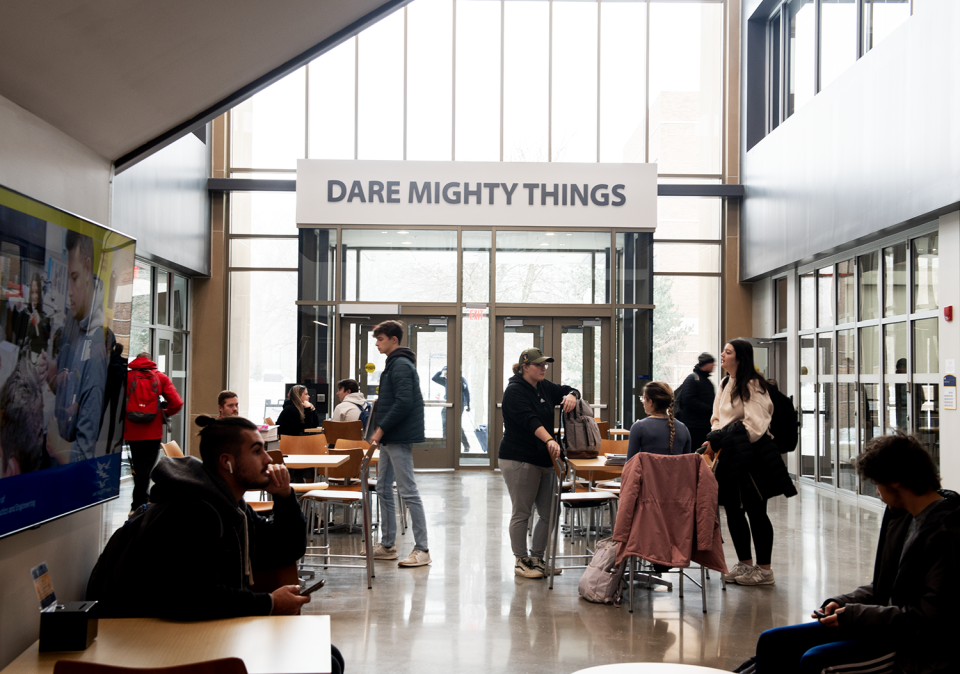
x: 432, y: 338
x: 578, y: 346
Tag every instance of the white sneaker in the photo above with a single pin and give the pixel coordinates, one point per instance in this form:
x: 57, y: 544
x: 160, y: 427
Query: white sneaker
x: 416, y: 558
x: 380, y: 552
x: 526, y: 567
x: 541, y: 564
x: 735, y: 573
x: 757, y: 576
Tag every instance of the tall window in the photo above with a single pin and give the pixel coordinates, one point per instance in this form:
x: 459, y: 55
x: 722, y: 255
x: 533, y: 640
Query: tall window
x: 869, y: 355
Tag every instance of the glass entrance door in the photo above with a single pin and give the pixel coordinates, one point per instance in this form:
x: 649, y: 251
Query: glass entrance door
x: 580, y: 353
x: 171, y: 360
x: 432, y: 341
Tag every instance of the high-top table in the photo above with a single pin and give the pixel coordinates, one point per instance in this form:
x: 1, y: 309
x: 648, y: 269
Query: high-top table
x: 267, y: 645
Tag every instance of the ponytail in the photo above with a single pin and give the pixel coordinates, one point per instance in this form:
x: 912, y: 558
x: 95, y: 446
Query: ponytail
x: 661, y: 395
x: 517, y: 368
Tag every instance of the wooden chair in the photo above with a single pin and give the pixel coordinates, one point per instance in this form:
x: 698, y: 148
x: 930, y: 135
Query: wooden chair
x: 604, y: 429
x: 324, y: 499
x: 172, y: 449
x: 349, y: 473
x: 572, y: 501
x: 222, y: 666
x: 604, y: 480
x: 268, y: 580
x: 313, y: 444
x: 268, y: 421
x: 253, y: 499
x: 346, y: 430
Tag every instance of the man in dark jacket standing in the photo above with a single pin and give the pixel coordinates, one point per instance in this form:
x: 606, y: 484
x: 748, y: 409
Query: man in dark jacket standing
x: 144, y: 438
x: 399, y: 419
x: 908, y: 613
x: 694, y: 401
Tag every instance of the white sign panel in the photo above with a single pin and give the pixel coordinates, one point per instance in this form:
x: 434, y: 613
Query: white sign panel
x: 332, y: 192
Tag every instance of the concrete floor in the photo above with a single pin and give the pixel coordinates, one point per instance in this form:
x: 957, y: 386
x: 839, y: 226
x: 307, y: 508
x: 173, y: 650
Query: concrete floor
x: 468, y: 612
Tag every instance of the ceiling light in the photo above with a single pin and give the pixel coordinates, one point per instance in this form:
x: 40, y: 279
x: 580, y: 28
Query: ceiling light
x: 405, y: 243
x: 319, y: 323
x: 384, y: 232
x: 569, y: 234
x: 402, y: 232
x: 550, y: 234
x: 544, y: 244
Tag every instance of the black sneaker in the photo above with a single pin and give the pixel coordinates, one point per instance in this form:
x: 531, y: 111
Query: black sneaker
x: 527, y: 567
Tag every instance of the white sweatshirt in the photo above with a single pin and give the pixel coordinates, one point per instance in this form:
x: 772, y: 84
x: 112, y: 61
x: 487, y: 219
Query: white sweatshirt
x: 756, y: 413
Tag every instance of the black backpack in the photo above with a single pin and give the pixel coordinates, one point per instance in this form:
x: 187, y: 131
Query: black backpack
x: 677, y: 407
x: 364, y: 414
x: 784, y: 424
x: 115, y: 558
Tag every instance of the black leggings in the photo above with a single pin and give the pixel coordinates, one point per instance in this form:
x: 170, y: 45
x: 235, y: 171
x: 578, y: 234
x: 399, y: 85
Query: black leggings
x: 759, y: 526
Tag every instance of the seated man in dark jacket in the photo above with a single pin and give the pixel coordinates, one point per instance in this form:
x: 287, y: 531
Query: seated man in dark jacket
x: 908, y: 613
x: 199, y: 543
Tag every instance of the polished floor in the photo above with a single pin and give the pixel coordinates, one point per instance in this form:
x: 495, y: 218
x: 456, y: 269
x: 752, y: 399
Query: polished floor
x: 468, y: 612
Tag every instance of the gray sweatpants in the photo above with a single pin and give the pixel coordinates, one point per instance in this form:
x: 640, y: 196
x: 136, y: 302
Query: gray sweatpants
x: 528, y: 484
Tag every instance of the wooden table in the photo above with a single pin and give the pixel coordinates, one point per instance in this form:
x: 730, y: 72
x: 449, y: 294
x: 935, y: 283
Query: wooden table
x: 648, y: 668
x: 321, y: 461
x: 590, y: 465
x: 267, y: 645
x: 619, y: 431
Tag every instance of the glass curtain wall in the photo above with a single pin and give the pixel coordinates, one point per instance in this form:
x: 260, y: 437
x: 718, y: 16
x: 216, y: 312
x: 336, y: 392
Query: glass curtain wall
x: 869, y: 355
x: 478, y: 80
x: 158, y: 325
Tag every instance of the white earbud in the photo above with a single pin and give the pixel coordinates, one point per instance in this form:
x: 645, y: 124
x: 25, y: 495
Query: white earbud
x: 230, y: 467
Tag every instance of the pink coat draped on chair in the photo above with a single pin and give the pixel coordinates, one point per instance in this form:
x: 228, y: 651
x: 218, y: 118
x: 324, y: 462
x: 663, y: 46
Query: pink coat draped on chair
x: 668, y: 512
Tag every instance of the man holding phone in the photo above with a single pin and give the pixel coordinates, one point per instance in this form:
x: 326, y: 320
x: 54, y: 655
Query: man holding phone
x: 197, y: 517
x: 907, y: 615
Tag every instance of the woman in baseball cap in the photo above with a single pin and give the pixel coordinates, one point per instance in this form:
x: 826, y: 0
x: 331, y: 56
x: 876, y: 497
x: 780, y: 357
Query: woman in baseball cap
x: 525, y: 453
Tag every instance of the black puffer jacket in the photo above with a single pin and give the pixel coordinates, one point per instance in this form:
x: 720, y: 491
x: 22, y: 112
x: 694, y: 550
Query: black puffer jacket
x: 695, y: 399
x: 748, y: 472
x: 195, y: 521
x: 913, y: 602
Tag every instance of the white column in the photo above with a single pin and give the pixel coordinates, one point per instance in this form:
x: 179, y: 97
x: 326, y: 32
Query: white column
x: 949, y: 343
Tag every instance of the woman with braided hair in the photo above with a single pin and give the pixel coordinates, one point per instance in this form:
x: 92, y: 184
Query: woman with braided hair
x: 659, y: 432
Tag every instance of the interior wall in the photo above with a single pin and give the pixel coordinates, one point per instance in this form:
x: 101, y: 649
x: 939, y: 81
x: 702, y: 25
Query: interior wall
x: 163, y: 203
x: 876, y: 150
x: 44, y: 163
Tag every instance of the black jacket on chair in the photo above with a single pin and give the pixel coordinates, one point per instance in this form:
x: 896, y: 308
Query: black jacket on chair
x: 912, y: 601
x: 748, y: 472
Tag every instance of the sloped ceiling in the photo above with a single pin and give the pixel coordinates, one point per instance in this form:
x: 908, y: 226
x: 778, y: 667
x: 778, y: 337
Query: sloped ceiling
x: 125, y: 76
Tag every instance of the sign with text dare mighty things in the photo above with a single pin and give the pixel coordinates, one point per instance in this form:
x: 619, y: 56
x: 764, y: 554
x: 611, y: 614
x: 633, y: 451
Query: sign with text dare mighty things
x: 340, y: 192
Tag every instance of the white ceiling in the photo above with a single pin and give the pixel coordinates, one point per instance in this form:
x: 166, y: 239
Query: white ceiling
x: 117, y: 74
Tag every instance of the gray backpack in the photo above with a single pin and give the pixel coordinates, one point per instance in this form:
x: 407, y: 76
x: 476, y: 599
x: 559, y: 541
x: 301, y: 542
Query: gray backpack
x: 602, y: 582
x: 581, y: 433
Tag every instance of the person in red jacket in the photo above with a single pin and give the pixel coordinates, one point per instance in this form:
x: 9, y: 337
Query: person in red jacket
x: 144, y: 438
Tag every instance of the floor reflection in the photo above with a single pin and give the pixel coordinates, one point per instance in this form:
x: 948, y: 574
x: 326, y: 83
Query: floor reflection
x: 468, y: 612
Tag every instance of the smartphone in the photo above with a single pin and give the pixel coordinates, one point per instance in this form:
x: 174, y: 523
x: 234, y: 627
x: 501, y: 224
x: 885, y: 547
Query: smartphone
x: 820, y: 614
x: 313, y: 588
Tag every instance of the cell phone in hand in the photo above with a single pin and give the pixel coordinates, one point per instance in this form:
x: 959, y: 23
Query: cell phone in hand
x: 820, y: 614
x: 313, y: 588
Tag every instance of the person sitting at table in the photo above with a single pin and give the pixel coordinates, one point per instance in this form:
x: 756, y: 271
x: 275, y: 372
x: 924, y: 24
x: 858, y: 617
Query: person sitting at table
x: 659, y: 432
x: 298, y: 412
x: 192, y: 552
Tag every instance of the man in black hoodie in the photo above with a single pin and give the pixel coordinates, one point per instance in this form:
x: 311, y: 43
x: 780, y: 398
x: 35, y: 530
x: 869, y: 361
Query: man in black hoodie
x: 198, y: 517
x: 908, y: 613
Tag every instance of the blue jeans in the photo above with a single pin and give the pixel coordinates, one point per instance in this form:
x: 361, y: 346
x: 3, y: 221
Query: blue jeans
x: 811, y: 647
x: 396, y: 465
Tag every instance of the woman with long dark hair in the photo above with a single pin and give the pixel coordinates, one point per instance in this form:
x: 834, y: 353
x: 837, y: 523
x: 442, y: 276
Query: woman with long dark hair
x: 659, y: 432
x: 749, y: 469
x: 298, y: 412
